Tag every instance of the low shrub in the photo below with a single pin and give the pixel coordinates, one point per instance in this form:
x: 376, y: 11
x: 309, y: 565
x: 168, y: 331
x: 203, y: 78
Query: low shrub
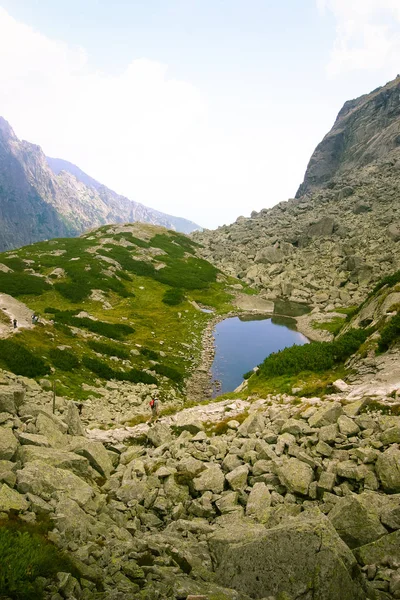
x: 26, y: 555
x: 21, y: 284
x: 108, y: 349
x: 190, y: 274
x: 390, y: 333
x: 169, y: 372
x: 64, y: 359
x: 315, y: 357
x: 115, y: 331
x: 22, y: 361
x: 173, y: 296
x: 104, y: 371
x: 151, y: 354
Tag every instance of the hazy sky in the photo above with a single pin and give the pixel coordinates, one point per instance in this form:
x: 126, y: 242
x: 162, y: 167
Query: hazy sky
x: 206, y: 109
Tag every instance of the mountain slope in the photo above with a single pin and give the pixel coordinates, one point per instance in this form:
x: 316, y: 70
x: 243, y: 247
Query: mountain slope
x: 121, y: 204
x: 36, y: 203
x: 328, y: 245
x: 118, y: 303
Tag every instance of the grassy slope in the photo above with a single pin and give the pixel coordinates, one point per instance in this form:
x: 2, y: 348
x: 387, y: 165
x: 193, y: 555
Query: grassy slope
x: 136, y: 299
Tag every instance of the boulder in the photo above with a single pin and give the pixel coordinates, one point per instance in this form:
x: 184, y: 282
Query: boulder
x: 253, y: 423
x: 259, y: 503
x: 33, y: 439
x: 212, y: 479
x: 8, y: 444
x: 94, y: 452
x: 56, y: 458
x: 391, y: 436
x: 384, y: 550
x: 326, y: 415
x: 356, y: 521
x: 237, y: 478
x: 296, y: 476
x: 11, y: 399
x: 73, y: 420
x: 269, y: 255
x: 347, y: 426
x: 303, y: 557
x: 43, y: 480
x: 188, y: 468
x: 48, y: 428
x: 11, y: 500
x: 159, y: 434
x: 388, y: 470
x: 394, y: 231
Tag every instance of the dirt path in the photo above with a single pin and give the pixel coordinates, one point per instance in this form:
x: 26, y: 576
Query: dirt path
x: 14, y: 310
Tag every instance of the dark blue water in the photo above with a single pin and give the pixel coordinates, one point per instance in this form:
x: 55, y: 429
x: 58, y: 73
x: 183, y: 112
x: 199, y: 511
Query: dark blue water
x: 243, y: 343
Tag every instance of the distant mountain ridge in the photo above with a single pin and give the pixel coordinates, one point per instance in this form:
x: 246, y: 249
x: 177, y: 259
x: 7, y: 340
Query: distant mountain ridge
x: 44, y: 198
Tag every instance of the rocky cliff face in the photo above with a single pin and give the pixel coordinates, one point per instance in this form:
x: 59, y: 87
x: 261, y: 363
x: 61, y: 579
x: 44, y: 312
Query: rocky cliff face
x: 37, y: 203
x: 342, y: 232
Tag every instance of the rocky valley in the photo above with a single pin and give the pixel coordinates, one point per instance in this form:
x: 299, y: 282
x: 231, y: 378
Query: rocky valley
x: 287, y: 488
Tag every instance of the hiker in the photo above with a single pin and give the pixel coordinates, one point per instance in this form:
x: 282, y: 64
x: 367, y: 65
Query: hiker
x: 15, y: 323
x: 154, y: 408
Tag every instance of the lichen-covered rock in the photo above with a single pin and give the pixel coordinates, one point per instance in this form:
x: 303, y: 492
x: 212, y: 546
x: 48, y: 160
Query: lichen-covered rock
x: 8, y: 444
x: 356, y: 521
x: 253, y: 423
x: 259, y: 503
x: 11, y: 500
x: 296, y: 476
x: 347, y: 426
x: 44, y: 480
x: 73, y: 420
x: 237, y: 478
x: 305, y: 554
x: 211, y: 479
x: 384, y: 550
x: 326, y: 415
x: 94, y: 452
x: 56, y: 458
x: 388, y: 470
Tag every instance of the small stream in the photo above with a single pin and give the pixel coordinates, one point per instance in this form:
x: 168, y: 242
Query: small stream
x: 242, y: 343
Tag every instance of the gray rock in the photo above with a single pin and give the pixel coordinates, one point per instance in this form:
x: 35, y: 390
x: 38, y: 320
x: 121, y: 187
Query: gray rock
x: 94, y: 452
x: 33, y: 439
x: 11, y: 500
x: 326, y: 415
x: 159, y: 434
x: 44, y: 480
x: 237, y: 478
x: 253, y: 423
x: 384, y: 550
x: 303, y: 554
x: 347, y: 426
x: 388, y: 470
x: 73, y: 420
x: 296, y: 476
x: 56, y: 458
x: 212, y: 479
x: 356, y: 521
x: 259, y: 503
x: 8, y: 444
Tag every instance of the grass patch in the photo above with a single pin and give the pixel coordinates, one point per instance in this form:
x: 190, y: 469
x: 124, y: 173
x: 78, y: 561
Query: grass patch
x: 64, y: 359
x: 333, y: 326
x: 104, y: 371
x: 390, y: 333
x: 173, y: 297
x: 22, y: 284
x: 169, y: 372
x: 151, y: 354
x: 115, y: 331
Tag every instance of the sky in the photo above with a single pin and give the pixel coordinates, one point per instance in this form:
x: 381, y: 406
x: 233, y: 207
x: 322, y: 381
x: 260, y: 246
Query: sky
x: 204, y: 109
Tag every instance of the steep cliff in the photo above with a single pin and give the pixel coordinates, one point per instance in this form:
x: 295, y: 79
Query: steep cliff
x: 36, y: 203
x: 342, y: 232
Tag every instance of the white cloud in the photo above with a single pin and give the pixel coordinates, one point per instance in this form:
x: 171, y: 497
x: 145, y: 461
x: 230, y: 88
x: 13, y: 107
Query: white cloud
x: 158, y: 140
x: 367, y: 35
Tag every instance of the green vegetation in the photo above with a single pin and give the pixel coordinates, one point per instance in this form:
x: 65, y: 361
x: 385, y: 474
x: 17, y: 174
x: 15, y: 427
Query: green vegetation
x: 115, y: 331
x: 333, y: 326
x: 18, y: 284
x: 169, y: 372
x: 25, y: 555
x: 64, y: 359
x: 390, y: 333
x: 109, y: 349
x: 103, y: 370
x: 22, y: 361
x: 173, y: 297
x: 315, y: 357
x: 151, y: 354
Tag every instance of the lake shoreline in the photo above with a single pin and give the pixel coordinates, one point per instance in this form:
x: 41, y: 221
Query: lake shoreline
x: 199, y: 385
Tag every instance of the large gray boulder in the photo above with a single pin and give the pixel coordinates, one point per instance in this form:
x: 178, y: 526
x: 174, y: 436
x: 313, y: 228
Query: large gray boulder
x: 94, y: 452
x: 384, y: 550
x: 356, y: 520
x: 296, y: 476
x: 212, y: 479
x: 55, y: 458
x: 11, y: 399
x: 326, y: 415
x: 73, y: 420
x: 8, y: 444
x: 388, y: 470
x: 259, y: 503
x: 43, y: 480
x: 11, y: 500
x: 269, y: 255
x: 302, y: 558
